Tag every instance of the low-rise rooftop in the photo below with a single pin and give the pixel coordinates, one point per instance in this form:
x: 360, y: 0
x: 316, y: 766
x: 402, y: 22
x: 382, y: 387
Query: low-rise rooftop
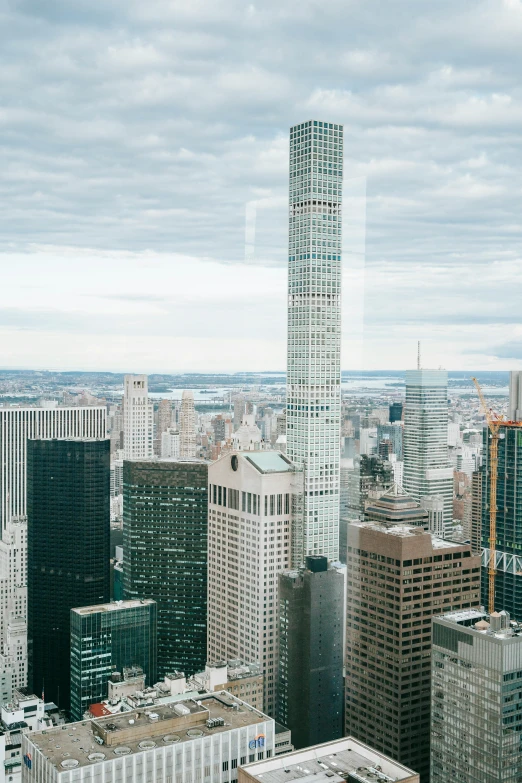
x: 113, y: 606
x: 331, y: 762
x: 86, y: 742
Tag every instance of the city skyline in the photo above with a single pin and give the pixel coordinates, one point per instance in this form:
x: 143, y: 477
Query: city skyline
x: 117, y: 193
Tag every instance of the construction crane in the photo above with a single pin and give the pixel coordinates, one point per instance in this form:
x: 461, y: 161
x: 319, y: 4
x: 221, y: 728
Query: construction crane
x: 495, y: 422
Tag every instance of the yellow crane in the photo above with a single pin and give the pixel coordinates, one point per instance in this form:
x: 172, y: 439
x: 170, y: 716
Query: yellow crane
x: 495, y: 422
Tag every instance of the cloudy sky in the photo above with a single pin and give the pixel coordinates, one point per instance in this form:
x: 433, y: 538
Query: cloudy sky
x: 138, y: 138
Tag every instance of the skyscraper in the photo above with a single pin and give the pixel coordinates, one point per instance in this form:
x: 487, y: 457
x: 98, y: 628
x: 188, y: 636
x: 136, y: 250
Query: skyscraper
x: 165, y: 507
x: 476, y: 698
x: 187, y: 429
x: 68, y: 515
x: 399, y: 576
x: 16, y: 426
x: 314, y: 327
x: 508, y: 546
x: 310, y: 677
x: 108, y: 638
x: 427, y: 469
x: 252, y: 508
x: 515, y: 395
x: 138, y: 419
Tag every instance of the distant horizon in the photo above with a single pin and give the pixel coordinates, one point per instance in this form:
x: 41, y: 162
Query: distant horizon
x: 227, y: 374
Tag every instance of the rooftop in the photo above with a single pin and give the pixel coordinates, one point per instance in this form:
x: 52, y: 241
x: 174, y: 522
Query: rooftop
x: 113, y: 606
x: 407, y: 531
x: 331, y: 763
x: 105, y: 738
x: 268, y: 461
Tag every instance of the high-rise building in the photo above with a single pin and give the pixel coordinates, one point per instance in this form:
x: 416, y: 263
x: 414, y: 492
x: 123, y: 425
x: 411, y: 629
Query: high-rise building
x: 310, y: 677
x: 170, y: 446
x: 17, y: 425
x: 187, y: 429
x: 164, y: 416
x: 392, y: 433
x: 399, y: 577
x: 68, y: 550
x: 138, y: 419
x: 427, y: 469
x: 508, y: 546
x: 395, y: 412
x: 109, y: 638
x: 515, y: 395
x: 165, y: 528
x: 205, y: 739
x: 476, y: 512
x: 254, y: 502
x: 314, y: 327
x: 343, y: 761
x: 476, y: 698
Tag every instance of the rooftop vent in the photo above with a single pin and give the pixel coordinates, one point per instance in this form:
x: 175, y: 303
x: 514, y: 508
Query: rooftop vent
x: 70, y: 763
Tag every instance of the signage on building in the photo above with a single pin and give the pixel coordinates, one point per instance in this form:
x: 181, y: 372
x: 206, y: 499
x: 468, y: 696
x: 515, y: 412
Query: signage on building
x: 28, y: 761
x: 257, y: 742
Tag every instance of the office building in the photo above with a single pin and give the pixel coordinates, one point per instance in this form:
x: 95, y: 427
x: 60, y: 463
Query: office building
x: 399, y: 577
x: 138, y: 419
x: 68, y: 551
x: 165, y: 554
x: 515, y: 395
x: 343, y: 761
x: 310, y: 679
x: 205, y: 739
x: 187, y: 428
x: 476, y: 511
x: 395, y: 412
x: 434, y: 507
x: 427, y: 469
x: 391, y: 433
x: 476, y: 698
x: 314, y: 327
x: 108, y: 638
x: 253, y: 504
x: 395, y: 507
x: 17, y: 425
x: 508, y: 547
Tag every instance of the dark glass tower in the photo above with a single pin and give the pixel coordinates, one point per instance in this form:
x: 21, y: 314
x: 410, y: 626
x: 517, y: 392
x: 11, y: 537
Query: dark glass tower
x: 508, y: 579
x: 310, y: 678
x: 105, y: 639
x: 68, y: 516
x: 165, y: 554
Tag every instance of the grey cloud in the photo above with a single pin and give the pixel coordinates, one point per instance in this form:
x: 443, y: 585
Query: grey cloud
x: 132, y: 125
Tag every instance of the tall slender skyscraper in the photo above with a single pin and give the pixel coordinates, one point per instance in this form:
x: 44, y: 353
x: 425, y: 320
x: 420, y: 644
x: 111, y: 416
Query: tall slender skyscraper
x: 138, y: 419
x: 187, y: 429
x: 427, y: 469
x: 314, y: 327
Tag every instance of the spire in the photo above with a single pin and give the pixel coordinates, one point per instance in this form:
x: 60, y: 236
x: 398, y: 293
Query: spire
x: 418, y: 355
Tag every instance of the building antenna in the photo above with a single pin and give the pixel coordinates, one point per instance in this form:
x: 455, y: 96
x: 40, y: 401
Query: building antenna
x: 418, y: 355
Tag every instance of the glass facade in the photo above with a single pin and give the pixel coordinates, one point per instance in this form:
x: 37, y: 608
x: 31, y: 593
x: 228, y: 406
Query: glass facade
x: 427, y: 470
x: 314, y: 327
x: 109, y: 638
x: 68, y: 523
x: 165, y: 532
x: 476, y: 726
x: 508, y: 544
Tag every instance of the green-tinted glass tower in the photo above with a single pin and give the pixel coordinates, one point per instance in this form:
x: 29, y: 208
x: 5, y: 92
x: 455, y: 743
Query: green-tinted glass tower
x: 508, y: 580
x: 105, y: 639
x: 68, y: 526
x: 165, y: 554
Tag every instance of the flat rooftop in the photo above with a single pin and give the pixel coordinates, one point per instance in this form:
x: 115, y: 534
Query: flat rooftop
x: 113, y: 606
x: 409, y: 531
x: 268, y: 461
x: 151, y: 727
x: 330, y: 763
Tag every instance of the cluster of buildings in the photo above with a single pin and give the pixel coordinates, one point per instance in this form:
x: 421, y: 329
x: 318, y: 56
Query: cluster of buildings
x: 194, y: 596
